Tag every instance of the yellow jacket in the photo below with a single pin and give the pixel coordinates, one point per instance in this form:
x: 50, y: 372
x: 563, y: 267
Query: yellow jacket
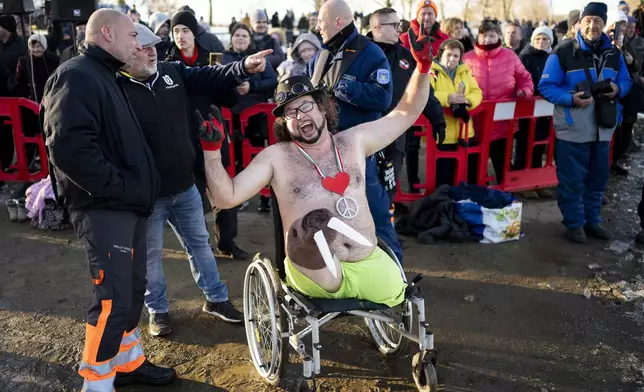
x: 443, y: 87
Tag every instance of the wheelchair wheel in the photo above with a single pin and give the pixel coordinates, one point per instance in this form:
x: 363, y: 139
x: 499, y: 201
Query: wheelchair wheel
x: 264, y: 320
x: 390, y: 342
x: 424, y: 373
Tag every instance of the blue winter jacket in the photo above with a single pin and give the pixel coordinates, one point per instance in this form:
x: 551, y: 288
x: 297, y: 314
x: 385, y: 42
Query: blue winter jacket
x: 562, y: 74
x: 363, y: 92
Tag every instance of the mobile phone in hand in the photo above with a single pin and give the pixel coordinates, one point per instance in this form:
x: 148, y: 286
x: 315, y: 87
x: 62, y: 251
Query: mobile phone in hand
x: 216, y: 58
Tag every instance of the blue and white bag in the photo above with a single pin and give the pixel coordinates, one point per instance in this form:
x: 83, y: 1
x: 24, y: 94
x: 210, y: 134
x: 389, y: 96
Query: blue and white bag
x: 493, y: 226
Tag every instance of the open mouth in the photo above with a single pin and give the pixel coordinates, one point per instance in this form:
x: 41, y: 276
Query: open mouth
x: 306, y: 127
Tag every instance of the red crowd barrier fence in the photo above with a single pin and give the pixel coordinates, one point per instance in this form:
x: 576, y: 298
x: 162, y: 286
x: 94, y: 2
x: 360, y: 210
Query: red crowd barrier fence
x: 488, y: 115
x: 10, y: 114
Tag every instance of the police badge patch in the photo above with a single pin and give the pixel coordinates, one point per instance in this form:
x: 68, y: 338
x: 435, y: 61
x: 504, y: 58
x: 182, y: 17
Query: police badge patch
x: 404, y: 64
x: 382, y: 76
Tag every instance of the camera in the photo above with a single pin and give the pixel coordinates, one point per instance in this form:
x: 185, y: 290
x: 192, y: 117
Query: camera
x: 602, y: 87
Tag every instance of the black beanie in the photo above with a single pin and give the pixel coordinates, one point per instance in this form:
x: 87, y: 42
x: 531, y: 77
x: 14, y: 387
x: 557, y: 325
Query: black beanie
x: 187, y: 19
x: 596, y: 9
x: 8, y: 22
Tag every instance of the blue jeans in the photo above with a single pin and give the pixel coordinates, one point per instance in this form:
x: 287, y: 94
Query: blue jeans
x: 582, y: 171
x: 380, y: 207
x: 185, y: 214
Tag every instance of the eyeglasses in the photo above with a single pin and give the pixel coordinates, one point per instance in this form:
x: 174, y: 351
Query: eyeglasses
x: 296, y: 89
x: 395, y: 25
x: 303, y: 108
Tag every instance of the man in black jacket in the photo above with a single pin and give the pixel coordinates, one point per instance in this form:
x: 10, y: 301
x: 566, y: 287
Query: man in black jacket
x: 104, y: 173
x: 385, y: 29
x: 160, y: 95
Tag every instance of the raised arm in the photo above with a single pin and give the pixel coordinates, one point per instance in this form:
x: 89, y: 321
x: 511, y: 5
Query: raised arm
x: 376, y: 135
x: 229, y: 192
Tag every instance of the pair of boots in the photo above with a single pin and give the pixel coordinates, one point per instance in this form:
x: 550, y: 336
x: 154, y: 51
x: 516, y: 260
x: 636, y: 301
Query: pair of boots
x: 17, y: 210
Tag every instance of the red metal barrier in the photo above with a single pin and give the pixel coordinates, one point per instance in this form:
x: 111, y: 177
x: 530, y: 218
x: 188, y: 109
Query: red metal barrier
x: 10, y: 112
x: 524, y: 109
x: 228, y: 117
x: 248, y: 150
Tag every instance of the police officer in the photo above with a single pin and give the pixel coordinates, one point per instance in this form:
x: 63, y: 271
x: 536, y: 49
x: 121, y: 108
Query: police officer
x: 356, y: 72
x: 385, y: 30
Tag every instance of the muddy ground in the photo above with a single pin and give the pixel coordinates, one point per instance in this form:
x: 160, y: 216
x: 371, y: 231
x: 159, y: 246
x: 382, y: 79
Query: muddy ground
x: 529, y: 328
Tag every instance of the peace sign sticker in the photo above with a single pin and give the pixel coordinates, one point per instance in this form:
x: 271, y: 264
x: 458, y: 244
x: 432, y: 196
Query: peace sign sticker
x: 347, y: 207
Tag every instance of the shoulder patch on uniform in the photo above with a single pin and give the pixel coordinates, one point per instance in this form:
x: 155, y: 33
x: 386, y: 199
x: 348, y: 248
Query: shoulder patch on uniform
x: 382, y: 76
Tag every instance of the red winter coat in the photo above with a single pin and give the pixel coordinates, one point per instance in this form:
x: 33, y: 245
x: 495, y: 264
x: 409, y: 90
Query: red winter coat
x: 438, y: 35
x: 501, y: 75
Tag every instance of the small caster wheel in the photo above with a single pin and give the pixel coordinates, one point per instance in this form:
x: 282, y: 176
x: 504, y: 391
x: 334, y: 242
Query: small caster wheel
x: 424, y: 372
x: 305, y: 385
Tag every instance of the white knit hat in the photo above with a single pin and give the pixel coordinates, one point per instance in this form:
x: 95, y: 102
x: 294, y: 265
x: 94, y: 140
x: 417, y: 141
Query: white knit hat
x: 542, y: 30
x: 39, y: 38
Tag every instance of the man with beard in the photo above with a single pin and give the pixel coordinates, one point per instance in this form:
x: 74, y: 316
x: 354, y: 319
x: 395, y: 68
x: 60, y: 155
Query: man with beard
x: 313, y: 167
x: 569, y: 81
x: 103, y: 171
x: 160, y: 95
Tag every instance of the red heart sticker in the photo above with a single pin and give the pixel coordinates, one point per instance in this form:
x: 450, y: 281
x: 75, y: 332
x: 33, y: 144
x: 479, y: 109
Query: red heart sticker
x: 337, y: 184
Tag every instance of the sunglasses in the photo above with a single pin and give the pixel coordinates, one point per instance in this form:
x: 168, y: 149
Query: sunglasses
x: 296, y: 89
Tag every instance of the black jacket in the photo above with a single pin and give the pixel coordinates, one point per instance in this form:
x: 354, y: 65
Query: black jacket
x: 262, y: 85
x: 10, y: 52
x: 402, y: 66
x: 266, y: 41
x: 220, y: 97
x: 98, y: 155
x: 162, y: 105
x: 42, y: 67
x: 534, y: 61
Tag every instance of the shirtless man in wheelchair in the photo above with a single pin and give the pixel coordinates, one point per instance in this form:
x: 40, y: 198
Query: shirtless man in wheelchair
x: 318, y: 177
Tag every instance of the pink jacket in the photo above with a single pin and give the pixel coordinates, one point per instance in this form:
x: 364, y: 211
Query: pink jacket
x: 501, y: 75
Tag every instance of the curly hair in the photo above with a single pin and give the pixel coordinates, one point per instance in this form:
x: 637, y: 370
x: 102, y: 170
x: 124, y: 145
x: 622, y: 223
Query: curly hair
x: 325, y: 103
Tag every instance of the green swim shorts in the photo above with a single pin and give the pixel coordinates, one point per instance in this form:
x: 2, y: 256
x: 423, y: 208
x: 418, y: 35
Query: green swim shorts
x: 376, y: 278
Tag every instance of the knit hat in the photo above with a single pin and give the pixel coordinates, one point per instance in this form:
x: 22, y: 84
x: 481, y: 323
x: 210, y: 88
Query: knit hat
x: 187, y: 19
x: 574, y: 16
x: 39, y: 38
x: 258, y: 15
x: 542, y: 30
x: 631, y: 20
x: 613, y: 18
x: 426, y: 3
x: 186, y: 8
x: 596, y: 9
x: 8, y: 22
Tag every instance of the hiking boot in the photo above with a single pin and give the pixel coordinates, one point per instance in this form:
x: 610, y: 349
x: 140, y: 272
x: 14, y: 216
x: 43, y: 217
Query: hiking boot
x: 146, y: 374
x: 597, y: 231
x: 21, y: 211
x: 236, y: 253
x: 12, y: 208
x: 640, y: 238
x: 264, y: 204
x: 577, y: 235
x: 160, y: 324
x: 620, y: 168
x: 544, y: 193
x: 225, y: 310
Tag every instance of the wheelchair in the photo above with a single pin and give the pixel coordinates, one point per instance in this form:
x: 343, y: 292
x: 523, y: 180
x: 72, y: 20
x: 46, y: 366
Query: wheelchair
x: 276, y: 317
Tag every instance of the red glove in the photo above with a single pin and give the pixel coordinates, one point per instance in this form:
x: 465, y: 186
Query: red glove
x: 421, y: 47
x: 211, y: 132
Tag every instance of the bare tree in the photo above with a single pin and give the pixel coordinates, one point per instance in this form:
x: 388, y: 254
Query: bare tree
x: 533, y: 10
x: 317, y: 4
x: 507, y: 6
x: 441, y: 6
x: 167, y: 6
